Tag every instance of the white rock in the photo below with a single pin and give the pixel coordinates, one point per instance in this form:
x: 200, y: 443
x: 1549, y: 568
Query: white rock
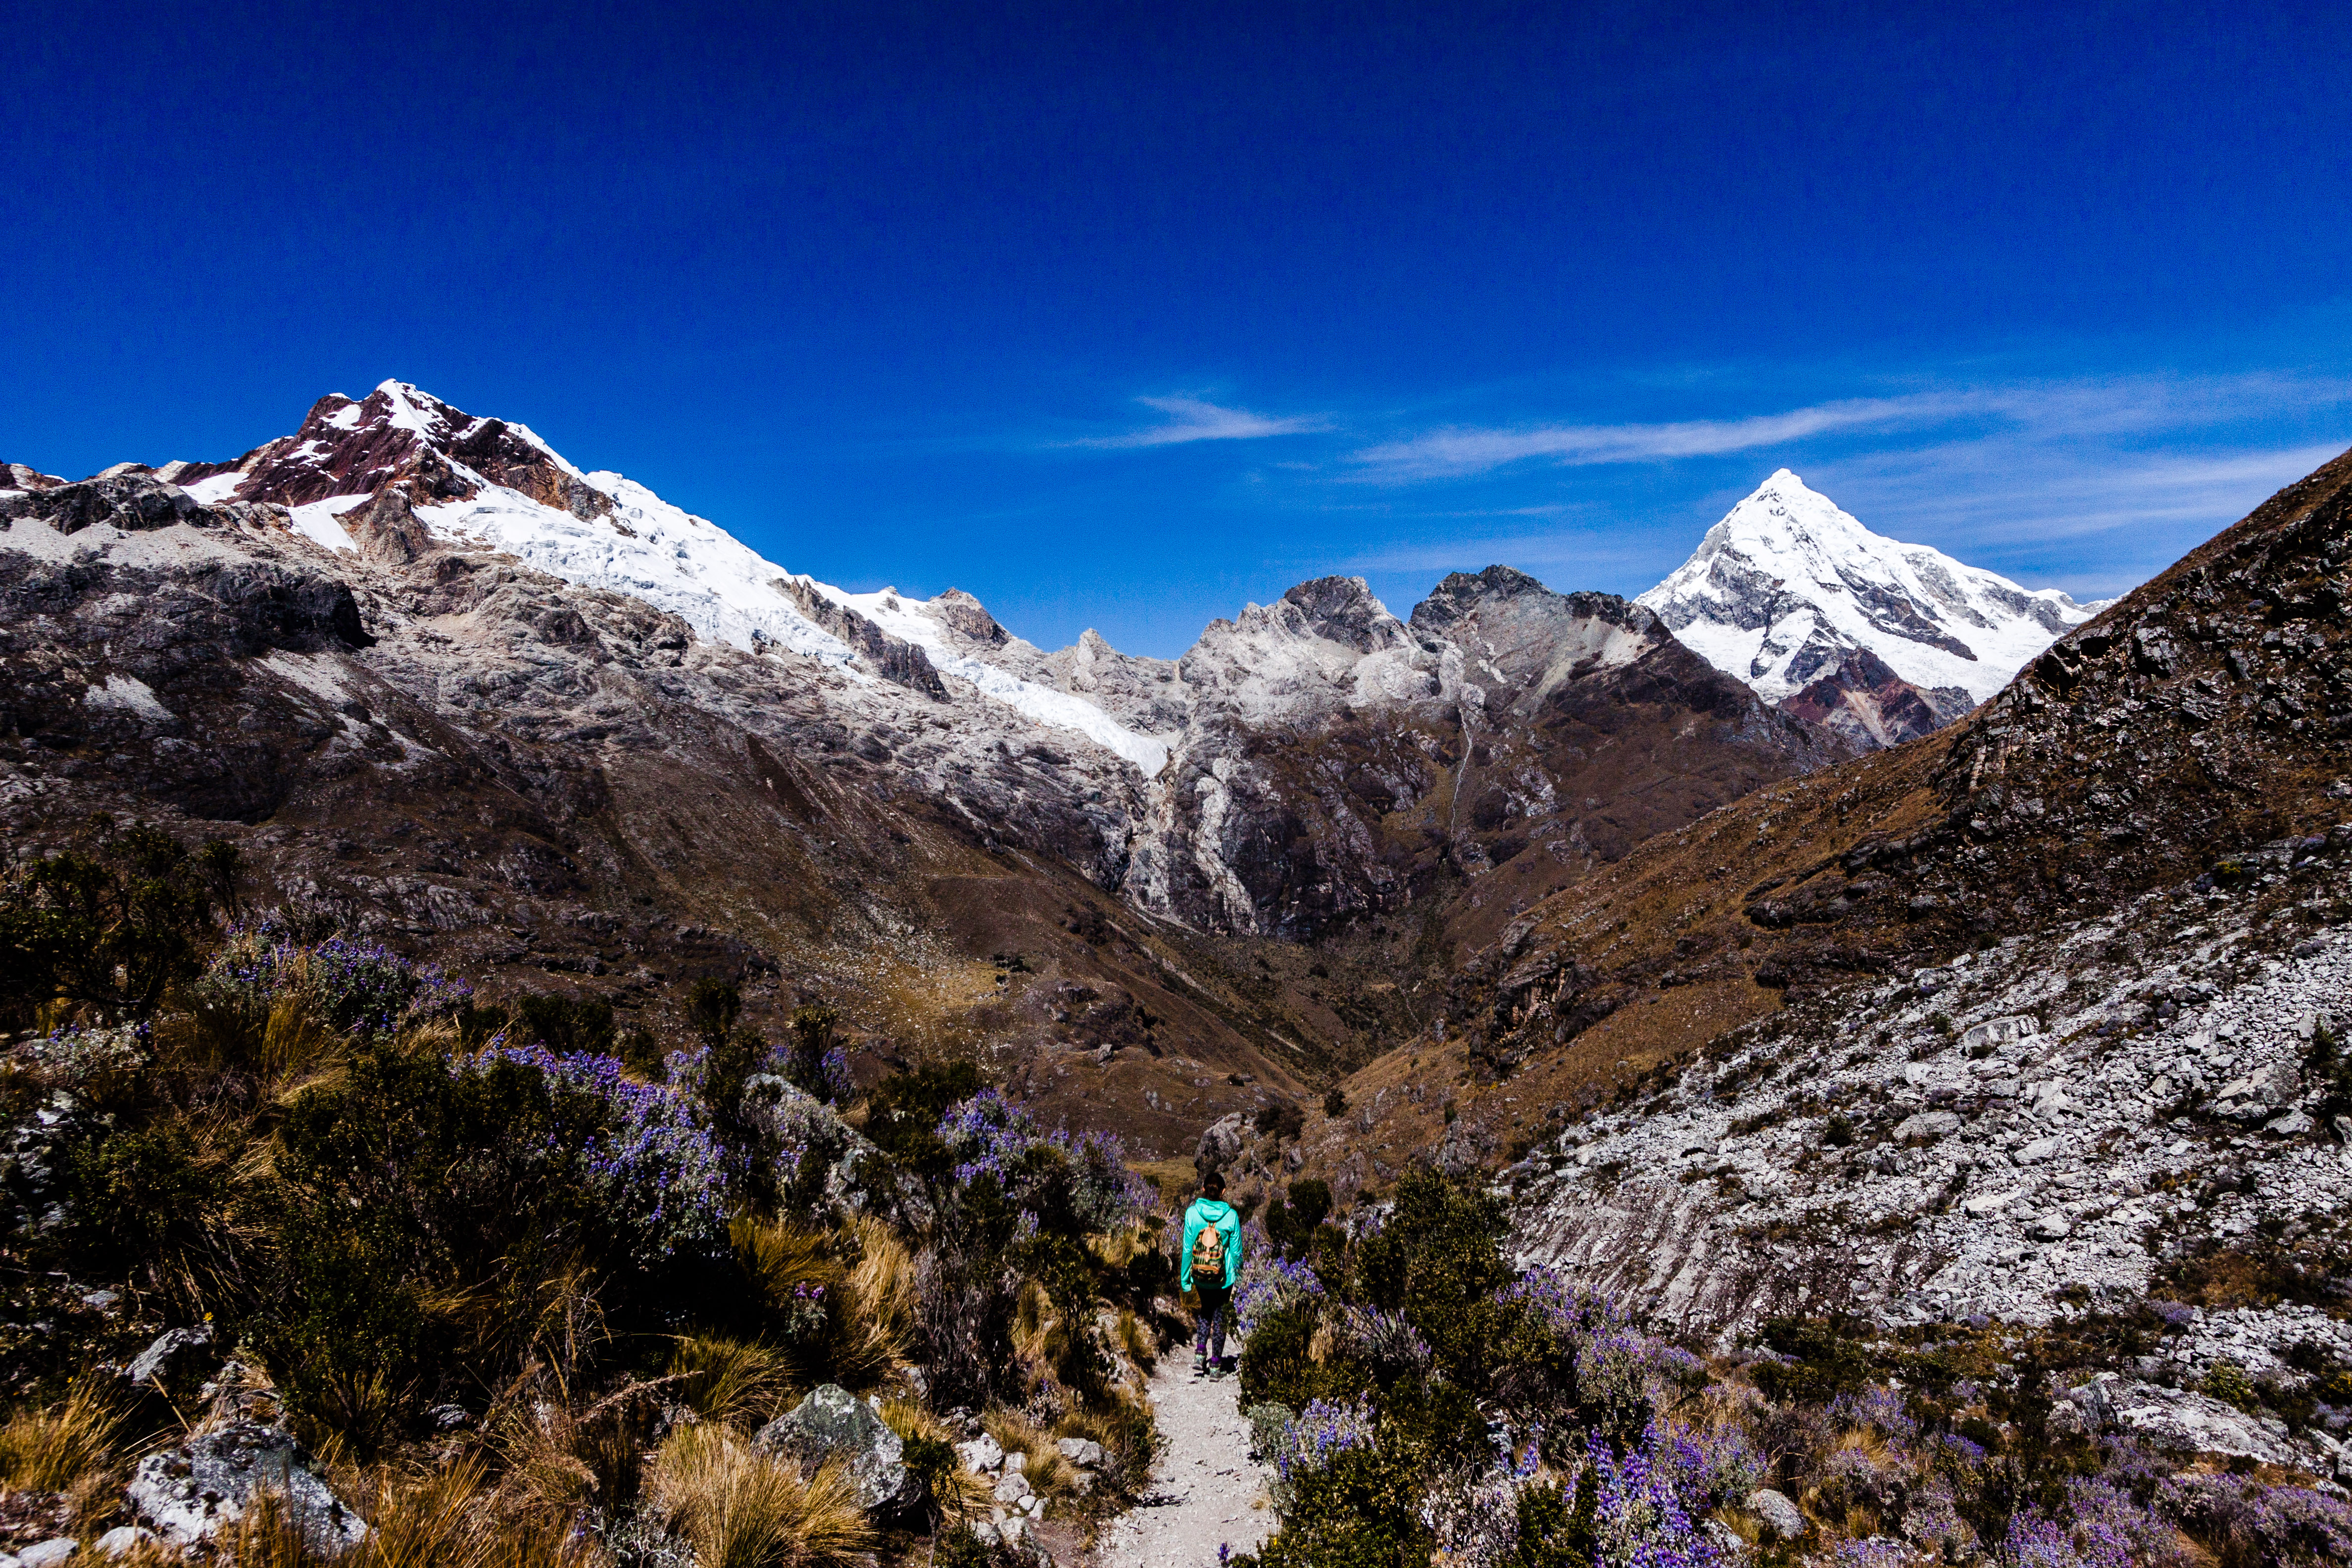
x: 119, y: 1541
x: 54, y: 1550
x: 981, y: 1455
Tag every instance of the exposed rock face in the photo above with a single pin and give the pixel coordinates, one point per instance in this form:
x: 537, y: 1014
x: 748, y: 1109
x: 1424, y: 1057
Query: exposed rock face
x: 1904, y: 1151
x: 1884, y: 641
x: 1337, y: 762
x: 189, y: 1494
x: 832, y: 1424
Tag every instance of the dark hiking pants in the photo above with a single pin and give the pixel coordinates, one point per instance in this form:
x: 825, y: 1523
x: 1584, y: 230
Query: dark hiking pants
x: 1209, y: 1327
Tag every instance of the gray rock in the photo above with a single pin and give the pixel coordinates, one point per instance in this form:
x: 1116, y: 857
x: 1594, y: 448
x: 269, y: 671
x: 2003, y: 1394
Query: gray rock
x: 2038, y: 1150
x: 1082, y: 1452
x: 175, y: 1354
x: 1222, y: 1140
x: 189, y: 1493
x: 832, y: 1424
x: 1011, y: 1488
x: 2000, y: 1032
x: 1777, y: 1513
x: 1928, y: 1124
x: 54, y: 1550
x: 118, y: 1542
x: 2050, y: 1227
x: 981, y: 1456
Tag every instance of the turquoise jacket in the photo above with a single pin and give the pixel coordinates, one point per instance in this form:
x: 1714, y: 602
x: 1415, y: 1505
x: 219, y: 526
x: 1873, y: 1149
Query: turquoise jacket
x: 1219, y: 1213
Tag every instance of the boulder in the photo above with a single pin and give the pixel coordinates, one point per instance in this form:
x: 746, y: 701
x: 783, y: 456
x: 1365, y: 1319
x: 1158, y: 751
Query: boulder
x: 1011, y: 1488
x: 120, y: 1540
x: 981, y: 1455
x: 178, y: 1357
x: 188, y: 1494
x: 1222, y: 1142
x: 1777, y: 1513
x: 1084, y: 1452
x: 2000, y: 1032
x: 49, y: 1553
x: 1928, y: 1124
x: 832, y: 1424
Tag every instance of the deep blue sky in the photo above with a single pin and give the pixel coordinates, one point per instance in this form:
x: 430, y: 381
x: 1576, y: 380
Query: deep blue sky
x: 1122, y: 317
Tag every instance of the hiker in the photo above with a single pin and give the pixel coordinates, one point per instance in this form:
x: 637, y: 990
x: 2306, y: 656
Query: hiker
x: 1212, y: 1261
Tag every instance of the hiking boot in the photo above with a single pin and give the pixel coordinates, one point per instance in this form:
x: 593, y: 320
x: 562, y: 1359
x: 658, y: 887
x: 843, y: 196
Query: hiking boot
x: 1200, y: 1366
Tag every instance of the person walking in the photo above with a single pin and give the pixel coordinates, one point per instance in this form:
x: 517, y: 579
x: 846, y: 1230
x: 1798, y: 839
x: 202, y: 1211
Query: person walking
x: 1212, y: 1261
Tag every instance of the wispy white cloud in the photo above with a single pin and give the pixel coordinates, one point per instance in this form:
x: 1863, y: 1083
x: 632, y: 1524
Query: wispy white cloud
x: 1459, y: 451
x: 2044, y: 410
x: 1197, y: 419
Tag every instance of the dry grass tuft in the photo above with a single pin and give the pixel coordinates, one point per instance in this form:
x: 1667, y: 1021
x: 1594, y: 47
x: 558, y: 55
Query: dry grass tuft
x: 880, y: 1308
x: 1141, y: 1345
x: 966, y: 1495
x: 743, y: 1510
x: 438, y: 1519
x: 49, y: 1450
x: 1048, y: 1472
x: 728, y: 1381
x: 780, y: 1255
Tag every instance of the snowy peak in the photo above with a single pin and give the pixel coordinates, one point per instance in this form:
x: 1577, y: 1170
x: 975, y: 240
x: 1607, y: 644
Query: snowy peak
x: 1789, y: 591
x: 402, y: 459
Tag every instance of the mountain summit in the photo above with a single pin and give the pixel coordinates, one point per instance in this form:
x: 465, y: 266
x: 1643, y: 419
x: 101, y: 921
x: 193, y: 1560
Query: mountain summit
x: 1880, y: 640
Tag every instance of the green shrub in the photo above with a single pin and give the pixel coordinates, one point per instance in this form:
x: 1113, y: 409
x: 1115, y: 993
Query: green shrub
x: 1275, y: 1368
x: 1438, y: 1258
x: 1824, y: 1361
x: 425, y: 1219
x: 111, y: 924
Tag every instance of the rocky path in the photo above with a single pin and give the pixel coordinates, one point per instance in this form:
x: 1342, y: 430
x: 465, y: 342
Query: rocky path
x: 1207, y: 1490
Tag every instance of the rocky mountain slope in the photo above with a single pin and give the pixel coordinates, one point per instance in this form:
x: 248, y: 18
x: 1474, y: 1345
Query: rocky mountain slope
x: 530, y: 720
x: 1880, y: 640
x: 2204, y: 717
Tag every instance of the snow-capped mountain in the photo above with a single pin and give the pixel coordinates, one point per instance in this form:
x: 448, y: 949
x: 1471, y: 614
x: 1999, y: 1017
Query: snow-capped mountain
x: 495, y: 483
x: 1879, y: 639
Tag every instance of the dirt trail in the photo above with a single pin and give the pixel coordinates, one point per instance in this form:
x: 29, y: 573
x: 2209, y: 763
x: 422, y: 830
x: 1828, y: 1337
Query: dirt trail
x: 1206, y: 1490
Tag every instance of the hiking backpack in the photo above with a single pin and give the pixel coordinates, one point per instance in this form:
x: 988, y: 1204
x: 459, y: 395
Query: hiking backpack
x: 1209, y: 1255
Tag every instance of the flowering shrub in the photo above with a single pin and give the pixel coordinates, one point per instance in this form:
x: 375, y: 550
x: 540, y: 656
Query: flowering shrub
x: 2246, y: 1522
x: 1616, y: 1372
x: 1712, y: 1469
x: 1641, y: 1517
x: 1873, y: 1551
x: 1268, y: 1284
x: 657, y: 1172
x: 1320, y: 1434
x: 1053, y: 1175
x: 2100, y: 1527
x: 354, y: 986
x: 1385, y: 1342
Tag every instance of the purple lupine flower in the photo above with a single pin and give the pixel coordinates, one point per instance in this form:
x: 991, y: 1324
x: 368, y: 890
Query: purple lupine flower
x: 989, y: 1135
x: 1268, y: 1283
x: 658, y: 1169
x: 1322, y: 1433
